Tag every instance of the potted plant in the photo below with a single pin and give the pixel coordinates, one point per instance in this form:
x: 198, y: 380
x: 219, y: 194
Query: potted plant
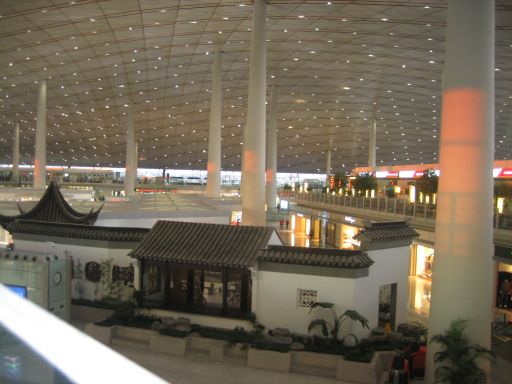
x: 334, y: 326
x: 458, y: 357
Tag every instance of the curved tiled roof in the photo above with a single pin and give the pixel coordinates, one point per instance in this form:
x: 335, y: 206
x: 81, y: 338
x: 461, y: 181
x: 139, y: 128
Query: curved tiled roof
x: 384, y: 231
x: 52, y: 207
x: 77, y: 231
x: 320, y: 257
x: 203, y: 244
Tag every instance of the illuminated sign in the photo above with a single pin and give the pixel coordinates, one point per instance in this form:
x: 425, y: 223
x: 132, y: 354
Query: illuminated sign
x: 502, y: 172
x: 406, y: 174
x: 350, y: 219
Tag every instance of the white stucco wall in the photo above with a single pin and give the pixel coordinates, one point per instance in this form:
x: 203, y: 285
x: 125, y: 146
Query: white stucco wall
x: 80, y: 287
x: 275, y: 293
x: 391, y: 266
x: 276, y: 298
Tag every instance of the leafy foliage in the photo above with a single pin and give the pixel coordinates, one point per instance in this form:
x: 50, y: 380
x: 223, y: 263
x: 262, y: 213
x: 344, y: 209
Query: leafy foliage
x: 459, y: 356
x: 339, y: 183
x: 364, y: 182
x: 428, y: 182
x: 333, y: 327
x: 390, y: 191
x: 502, y: 189
x: 414, y: 330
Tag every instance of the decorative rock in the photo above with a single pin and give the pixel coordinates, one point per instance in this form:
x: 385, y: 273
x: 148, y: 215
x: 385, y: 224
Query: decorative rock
x: 183, y: 328
x: 279, y: 339
x: 168, y: 322
x: 281, y: 332
x: 183, y: 320
x: 295, y: 346
x: 156, y: 326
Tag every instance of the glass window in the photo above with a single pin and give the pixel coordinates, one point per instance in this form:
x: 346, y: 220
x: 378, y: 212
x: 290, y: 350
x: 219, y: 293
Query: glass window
x: 234, y: 290
x: 213, y: 289
x: 154, y: 279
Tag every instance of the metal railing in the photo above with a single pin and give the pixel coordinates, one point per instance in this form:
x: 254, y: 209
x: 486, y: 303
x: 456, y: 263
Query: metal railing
x: 381, y: 204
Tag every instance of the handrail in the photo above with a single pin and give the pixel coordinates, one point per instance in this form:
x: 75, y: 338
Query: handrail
x: 386, y: 205
x: 53, y: 339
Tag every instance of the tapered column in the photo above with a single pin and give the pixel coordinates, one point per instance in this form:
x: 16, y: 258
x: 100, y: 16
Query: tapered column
x: 372, y: 145
x: 130, y: 173
x: 40, y: 154
x: 253, y: 171
x: 327, y: 168
x: 463, y: 264
x: 136, y: 161
x: 16, y: 154
x: 272, y: 152
x: 214, y: 138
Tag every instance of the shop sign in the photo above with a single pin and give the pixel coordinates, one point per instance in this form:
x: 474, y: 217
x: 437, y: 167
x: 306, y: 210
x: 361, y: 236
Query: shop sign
x: 350, y: 219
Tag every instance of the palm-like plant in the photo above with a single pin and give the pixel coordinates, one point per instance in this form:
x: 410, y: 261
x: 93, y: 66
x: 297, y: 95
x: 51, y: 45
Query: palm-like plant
x: 333, y: 328
x: 459, y: 357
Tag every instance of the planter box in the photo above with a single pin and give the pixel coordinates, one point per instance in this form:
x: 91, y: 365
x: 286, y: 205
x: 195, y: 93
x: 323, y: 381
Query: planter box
x: 215, y: 349
x: 355, y: 372
x: 314, y: 363
x: 271, y: 360
x: 102, y: 334
x: 132, y: 333
x: 386, y: 358
x: 237, y: 352
x: 168, y: 344
x: 89, y: 314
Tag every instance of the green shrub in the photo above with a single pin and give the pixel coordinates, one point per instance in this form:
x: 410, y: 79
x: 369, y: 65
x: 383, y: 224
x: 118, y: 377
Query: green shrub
x: 457, y: 361
x: 271, y: 346
x: 173, y: 332
x: 384, y: 343
x: 414, y: 330
x: 107, y: 303
x: 359, y: 354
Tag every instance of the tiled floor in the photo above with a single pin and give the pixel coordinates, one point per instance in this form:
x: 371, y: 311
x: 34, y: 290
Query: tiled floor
x: 190, y: 369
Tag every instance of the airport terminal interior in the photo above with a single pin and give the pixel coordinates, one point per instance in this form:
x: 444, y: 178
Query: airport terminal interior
x: 223, y: 163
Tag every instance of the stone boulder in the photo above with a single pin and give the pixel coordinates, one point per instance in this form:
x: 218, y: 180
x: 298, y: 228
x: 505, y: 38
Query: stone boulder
x: 156, y: 326
x: 169, y: 322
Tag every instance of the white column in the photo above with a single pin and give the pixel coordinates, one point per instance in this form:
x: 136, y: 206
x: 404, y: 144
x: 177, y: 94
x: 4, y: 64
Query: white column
x: 214, y: 138
x: 136, y: 161
x: 372, y: 146
x: 40, y: 155
x: 16, y: 154
x: 327, y: 168
x: 463, y: 264
x: 130, y: 173
x: 253, y: 171
x: 272, y: 153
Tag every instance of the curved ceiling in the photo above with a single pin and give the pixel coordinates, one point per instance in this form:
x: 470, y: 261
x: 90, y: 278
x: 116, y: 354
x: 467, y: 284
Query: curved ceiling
x: 337, y: 64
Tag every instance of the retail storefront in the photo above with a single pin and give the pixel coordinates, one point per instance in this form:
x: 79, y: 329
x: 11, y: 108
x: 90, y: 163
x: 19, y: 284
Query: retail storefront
x: 347, y: 230
x: 328, y: 232
x: 422, y: 259
x: 503, y: 256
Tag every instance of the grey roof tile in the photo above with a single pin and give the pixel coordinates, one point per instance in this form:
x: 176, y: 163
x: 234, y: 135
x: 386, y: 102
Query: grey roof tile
x: 324, y: 257
x: 387, y: 230
x: 203, y: 244
x: 77, y: 231
x: 52, y: 207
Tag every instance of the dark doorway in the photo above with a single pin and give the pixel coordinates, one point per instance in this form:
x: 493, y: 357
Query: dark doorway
x: 387, y: 305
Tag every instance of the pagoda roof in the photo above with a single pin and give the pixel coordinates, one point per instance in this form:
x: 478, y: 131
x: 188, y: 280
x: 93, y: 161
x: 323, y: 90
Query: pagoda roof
x: 53, y: 208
